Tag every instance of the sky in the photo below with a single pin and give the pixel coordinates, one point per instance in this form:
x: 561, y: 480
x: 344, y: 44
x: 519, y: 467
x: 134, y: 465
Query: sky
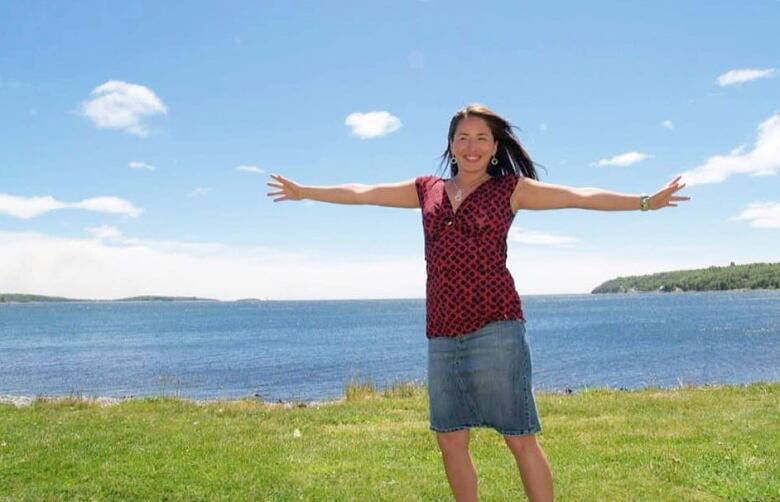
x: 137, y: 138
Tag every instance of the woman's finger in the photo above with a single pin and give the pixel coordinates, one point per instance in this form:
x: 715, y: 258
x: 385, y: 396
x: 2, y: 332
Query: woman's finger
x: 675, y: 188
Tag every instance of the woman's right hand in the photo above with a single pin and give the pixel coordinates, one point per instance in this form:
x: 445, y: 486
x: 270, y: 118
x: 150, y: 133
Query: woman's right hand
x: 289, y: 190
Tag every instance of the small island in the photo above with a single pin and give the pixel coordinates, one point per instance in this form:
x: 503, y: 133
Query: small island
x: 15, y: 298
x: 732, y: 277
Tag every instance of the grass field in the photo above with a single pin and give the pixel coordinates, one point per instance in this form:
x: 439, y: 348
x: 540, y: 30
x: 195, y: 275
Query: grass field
x: 692, y: 444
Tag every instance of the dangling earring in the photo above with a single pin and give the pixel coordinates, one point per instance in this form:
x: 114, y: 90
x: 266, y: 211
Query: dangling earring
x: 453, y: 161
x: 494, y: 161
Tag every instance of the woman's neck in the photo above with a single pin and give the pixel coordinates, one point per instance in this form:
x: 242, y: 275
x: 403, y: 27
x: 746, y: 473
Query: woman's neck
x: 469, y: 179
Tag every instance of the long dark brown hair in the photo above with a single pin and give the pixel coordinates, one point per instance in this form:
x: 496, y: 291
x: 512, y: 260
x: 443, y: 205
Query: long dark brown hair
x: 511, y: 156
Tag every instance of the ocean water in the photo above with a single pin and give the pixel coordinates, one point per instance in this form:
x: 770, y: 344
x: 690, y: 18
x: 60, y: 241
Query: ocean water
x: 308, y: 350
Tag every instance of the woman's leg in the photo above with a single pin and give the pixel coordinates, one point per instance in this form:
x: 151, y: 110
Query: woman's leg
x: 460, y: 470
x: 534, y: 469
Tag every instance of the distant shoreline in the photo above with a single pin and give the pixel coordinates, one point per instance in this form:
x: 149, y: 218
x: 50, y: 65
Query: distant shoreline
x: 15, y: 299
x: 19, y: 298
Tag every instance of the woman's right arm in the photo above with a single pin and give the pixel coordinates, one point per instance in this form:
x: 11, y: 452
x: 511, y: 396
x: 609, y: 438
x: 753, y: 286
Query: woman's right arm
x: 403, y: 194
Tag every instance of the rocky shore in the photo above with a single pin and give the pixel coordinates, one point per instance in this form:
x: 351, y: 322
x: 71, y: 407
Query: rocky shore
x: 21, y: 401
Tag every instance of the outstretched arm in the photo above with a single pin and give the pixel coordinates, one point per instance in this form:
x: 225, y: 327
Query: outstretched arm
x: 532, y: 194
x: 403, y: 194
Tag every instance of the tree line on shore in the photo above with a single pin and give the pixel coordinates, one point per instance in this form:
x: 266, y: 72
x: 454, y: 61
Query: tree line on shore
x: 750, y: 276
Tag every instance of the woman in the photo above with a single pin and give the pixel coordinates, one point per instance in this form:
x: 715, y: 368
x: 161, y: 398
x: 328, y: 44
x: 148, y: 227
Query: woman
x: 479, y: 366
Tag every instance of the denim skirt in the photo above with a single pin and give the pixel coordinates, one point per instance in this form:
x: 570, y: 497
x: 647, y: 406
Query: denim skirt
x: 483, y: 379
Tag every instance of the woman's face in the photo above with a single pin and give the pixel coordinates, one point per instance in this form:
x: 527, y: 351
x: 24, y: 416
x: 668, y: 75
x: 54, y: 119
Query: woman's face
x: 473, y: 144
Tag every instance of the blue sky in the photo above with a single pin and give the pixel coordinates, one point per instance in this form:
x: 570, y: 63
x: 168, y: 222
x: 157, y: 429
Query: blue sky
x: 136, y: 139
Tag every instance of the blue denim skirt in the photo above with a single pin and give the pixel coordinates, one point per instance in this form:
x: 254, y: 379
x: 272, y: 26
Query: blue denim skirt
x: 483, y: 379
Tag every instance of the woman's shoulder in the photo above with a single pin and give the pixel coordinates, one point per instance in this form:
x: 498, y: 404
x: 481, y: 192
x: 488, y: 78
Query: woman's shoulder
x: 508, y: 182
x: 427, y: 180
x: 424, y: 185
x: 505, y: 179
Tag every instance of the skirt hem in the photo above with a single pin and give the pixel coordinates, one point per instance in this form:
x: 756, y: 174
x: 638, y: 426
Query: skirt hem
x: 522, y: 432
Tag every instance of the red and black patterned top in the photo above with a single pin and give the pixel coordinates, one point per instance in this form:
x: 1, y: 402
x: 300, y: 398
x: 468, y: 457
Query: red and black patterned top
x: 465, y: 252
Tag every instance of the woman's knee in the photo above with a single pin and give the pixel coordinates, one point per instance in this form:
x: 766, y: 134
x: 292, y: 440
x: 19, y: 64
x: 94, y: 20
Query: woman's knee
x: 453, y: 442
x: 520, y: 444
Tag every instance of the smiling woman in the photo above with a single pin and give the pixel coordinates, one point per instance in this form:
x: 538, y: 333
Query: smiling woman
x: 479, y: 360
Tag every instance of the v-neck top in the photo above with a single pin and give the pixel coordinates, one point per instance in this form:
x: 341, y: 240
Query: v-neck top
x: 468, y: 284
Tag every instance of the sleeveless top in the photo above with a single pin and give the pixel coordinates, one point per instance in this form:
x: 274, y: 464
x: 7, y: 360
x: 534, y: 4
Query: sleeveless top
x: 468, y: 284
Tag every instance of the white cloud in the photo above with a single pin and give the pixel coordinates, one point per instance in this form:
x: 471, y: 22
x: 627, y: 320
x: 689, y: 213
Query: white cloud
x: 763, y: 160
x: 112, y: 235
x: 250, y: 169
x: 668, y: 124
x: 738, y: 150
x: 372, y: 124
x: 199, y: 192
x: 141, y: 165
x: 739, y: 76
x: 623, y: 160
x: 114, y: 266
x: 106, y: 232
x: 526, y: 236
x: 761, y: 215
x: 30, y: 207
x: 108, y: 205
x: 111, y: 265
x: 121, y: 105
x: 561, y: 270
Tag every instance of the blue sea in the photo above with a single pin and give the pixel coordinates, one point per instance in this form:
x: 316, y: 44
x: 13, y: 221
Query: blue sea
x: 308, y: 350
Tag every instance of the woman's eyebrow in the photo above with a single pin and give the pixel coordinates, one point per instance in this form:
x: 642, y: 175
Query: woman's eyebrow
x: 467, y: 134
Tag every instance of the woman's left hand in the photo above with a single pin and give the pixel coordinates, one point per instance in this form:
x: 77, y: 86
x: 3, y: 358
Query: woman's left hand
x: 665, y: 197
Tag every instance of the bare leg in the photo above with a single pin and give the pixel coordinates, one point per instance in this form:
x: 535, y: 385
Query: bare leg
x: 460, y: 469
x: 534, y: 469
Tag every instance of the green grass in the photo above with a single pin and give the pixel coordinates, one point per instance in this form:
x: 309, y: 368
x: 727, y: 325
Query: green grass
x: 697, y: 444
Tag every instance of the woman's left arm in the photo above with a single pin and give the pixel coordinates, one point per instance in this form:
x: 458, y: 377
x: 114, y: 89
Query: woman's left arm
x: 532, y: 194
